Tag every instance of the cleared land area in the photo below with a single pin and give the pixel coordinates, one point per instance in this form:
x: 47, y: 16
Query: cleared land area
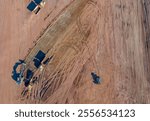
x: 108, y: 37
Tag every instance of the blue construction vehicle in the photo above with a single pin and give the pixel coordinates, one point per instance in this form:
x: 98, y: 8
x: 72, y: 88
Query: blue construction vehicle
x: 28, y: 78
x: 18, y: 75
x: 39, y: 58
x: 35, y: 6
x: 96, y: 79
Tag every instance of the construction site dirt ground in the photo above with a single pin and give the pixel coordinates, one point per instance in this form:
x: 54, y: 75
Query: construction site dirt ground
x: 108, y: 37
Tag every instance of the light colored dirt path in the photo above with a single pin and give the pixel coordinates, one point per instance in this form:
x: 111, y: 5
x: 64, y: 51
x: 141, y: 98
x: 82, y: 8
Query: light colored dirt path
x: 18, y: 29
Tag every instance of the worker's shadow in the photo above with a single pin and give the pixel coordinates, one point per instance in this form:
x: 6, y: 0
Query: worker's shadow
x: 16, y: 74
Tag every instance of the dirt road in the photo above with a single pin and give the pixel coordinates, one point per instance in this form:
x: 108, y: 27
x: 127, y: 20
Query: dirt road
x: 109, y: 37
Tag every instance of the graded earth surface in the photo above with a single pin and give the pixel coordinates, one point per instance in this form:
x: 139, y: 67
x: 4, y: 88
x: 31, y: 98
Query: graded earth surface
x: 108, y: 37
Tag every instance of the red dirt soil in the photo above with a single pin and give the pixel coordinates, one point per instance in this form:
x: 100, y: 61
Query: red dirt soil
x: 117, y: 50
x: 19, y: 28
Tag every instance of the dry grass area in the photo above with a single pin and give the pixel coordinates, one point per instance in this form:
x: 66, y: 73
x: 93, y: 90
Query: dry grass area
x: 109, y: 37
